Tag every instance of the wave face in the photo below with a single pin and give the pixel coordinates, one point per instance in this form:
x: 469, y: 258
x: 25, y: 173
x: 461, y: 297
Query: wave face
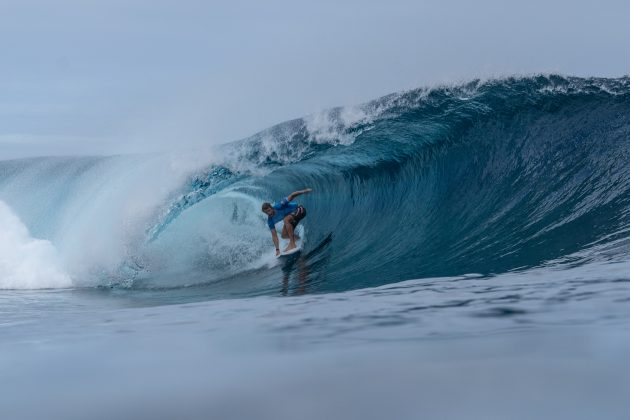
x: 487, y: 177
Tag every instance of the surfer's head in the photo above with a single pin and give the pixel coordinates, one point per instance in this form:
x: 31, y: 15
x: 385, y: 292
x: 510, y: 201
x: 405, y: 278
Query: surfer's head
x: 268, y: 210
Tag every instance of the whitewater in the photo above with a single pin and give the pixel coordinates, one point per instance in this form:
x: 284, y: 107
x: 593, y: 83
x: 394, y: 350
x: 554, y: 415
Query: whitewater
x: 466, y: 243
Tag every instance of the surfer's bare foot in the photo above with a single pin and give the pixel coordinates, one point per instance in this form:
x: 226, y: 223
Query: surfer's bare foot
x: 289, y: 248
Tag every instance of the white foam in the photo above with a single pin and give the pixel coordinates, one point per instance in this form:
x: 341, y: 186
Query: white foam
x: 26, y: 262
x: 331, y: 126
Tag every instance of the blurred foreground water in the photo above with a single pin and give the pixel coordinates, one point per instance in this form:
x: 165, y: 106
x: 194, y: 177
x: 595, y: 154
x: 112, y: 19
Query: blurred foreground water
x: 538, y: 344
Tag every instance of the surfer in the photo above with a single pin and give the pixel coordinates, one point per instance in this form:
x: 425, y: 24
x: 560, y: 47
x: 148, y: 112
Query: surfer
x: 288, y: 211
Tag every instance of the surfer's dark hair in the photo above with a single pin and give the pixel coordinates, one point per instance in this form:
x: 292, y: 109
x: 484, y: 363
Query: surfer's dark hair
x: 266, y: 206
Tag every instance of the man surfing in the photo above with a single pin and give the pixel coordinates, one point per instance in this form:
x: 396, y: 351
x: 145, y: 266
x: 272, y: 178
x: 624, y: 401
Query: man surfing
x: 288, y: 211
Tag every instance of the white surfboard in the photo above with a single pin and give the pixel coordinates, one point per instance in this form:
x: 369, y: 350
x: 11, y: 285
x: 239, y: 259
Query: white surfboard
x: 298, y: 242
x: 295, y: 250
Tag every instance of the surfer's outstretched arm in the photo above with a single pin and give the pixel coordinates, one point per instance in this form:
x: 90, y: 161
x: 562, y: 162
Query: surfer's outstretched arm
x: 296, y: 193
x: 274, y: 236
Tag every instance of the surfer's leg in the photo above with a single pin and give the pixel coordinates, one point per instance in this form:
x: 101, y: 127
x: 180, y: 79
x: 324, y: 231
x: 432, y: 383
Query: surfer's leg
x: 285, y: 235
x: 288, y: 225
x: 294, y: 219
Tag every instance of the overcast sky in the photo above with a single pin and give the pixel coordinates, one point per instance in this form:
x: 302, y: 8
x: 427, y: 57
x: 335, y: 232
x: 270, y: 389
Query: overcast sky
x: 81, y: 76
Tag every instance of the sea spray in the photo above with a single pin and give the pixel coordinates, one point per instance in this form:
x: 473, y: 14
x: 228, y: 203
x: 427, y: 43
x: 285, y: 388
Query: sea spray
x: 26, y: 262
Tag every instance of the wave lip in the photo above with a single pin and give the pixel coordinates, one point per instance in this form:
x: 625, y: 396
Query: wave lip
x: 26, y: 262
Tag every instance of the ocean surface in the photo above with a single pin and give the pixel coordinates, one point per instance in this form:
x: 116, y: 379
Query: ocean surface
x: 466, y: 255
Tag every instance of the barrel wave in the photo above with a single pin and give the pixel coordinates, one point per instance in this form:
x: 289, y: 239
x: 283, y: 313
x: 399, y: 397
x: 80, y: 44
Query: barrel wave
x: 486, y: 177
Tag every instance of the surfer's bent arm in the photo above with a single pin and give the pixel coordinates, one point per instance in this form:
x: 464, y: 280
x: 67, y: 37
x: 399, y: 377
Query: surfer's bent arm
x: 274, y: 236
x: 296, y: 193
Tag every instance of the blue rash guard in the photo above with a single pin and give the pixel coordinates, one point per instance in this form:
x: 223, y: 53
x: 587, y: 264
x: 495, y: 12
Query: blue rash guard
x: 282, y: 208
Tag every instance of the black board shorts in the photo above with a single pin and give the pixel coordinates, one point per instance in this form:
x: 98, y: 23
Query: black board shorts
x: 298, y: 214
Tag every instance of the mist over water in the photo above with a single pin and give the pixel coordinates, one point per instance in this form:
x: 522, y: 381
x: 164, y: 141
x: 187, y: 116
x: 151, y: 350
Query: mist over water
x: 27, y: 263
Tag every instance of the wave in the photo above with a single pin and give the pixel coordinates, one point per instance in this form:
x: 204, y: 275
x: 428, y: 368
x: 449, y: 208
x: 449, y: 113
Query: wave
x: 485, y: 177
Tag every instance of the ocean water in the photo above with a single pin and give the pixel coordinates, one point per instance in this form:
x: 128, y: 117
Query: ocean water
x: 466, y: 255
